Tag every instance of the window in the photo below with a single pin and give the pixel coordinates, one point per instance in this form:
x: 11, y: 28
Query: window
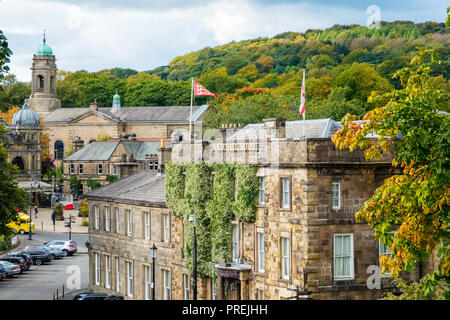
x: 96, y: 218
x: 166, y: 228
x: 384, y: 251
x: 213, y: 289
x: 235, y: 255
x: 147, y: 283
x: 117, y: 221
x: 24, y: 137
x: 71, y: 168
x: 260, y: 294
x: 99, y: 169
x: 260, y: 252
x: 33, y: 137
x: 59, y: 150
x: 129, y: 223
x: 97, y: 269
x: 114, y: 169
x: 343, y: 256
x: 186, y: 287
x: 166, y: 284
x: 150, y: 165
x: 80, y: 169
x: 262, y: 185
x: 33, y: 163
x: 285, y: 258
x: 286, y: 193
x: 107, y: 272
x: 336, y: 195
x: 107, y: 219
x: 129, y: 279
x: 117, y: 275
x: 147, y: 225
x: 156, y: 165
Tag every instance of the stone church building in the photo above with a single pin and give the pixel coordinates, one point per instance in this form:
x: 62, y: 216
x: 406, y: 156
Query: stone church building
x: 64, y: 124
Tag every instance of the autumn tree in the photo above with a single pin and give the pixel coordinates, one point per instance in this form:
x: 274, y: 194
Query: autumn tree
x: 11, y: 196
x: 416, y: 201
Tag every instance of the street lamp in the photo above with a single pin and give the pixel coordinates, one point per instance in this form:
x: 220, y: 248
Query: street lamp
x: 38, y: 180
x: 194, y: 257
x: 153, y: 255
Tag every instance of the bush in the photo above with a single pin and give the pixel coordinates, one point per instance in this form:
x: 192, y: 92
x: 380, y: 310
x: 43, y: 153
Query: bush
x: 59, y: 212
x: 85, y: 223
x: 84, y: 209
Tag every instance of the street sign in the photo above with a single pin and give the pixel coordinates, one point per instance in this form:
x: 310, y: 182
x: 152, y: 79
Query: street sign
x: 69, y: 230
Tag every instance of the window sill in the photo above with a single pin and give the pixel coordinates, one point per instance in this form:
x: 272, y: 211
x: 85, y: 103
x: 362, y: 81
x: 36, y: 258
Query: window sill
x: 344, y: 279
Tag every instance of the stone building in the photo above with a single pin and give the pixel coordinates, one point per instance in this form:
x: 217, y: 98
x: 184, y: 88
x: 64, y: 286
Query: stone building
x: 118, y: 158
x: 64, y: 124
x: 126, y: 218
x: 24, y: 148
x: 305, y: 235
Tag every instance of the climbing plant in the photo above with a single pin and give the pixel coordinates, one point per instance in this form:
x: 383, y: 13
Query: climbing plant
x: 220, y: 211
x: 207, y: 191
x: 247, y: 185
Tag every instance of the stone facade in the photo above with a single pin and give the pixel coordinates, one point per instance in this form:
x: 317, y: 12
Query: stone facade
x: 326, y: 188
x: 117, y: 160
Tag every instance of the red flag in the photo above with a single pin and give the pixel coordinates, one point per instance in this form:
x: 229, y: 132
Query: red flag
x: 200, y: 90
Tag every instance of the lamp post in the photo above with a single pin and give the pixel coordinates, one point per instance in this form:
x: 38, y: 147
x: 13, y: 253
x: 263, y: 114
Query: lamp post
x: 194, y: 257
x: 32, y: 179
x: 153, y: 255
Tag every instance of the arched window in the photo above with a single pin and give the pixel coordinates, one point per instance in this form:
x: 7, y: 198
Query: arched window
x: 59, y: 150
x: 33, y: 163
x: 41, y: 82
x: 18, y: 161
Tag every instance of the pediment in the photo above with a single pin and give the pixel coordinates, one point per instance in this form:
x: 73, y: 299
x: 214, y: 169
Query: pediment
x: 93, y: 118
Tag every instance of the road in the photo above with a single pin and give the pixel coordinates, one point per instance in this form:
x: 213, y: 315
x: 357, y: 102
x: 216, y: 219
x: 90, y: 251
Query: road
x: 40, y: 282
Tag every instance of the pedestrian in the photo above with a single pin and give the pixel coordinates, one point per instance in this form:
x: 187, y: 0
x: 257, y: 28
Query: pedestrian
x: 35, y: 212
x: 53, y: 217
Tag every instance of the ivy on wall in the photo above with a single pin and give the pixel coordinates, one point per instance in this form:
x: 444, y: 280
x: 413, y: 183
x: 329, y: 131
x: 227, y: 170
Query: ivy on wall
x: 214, y: 194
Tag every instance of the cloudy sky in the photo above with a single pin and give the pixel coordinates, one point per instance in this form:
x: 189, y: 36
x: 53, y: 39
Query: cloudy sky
x: 144, y: 34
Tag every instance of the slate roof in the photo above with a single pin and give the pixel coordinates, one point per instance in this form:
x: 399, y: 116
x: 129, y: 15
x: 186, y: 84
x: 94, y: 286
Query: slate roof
x: 142, y: 186
x: 173, y: 114
x: 95, y: 151
x: 102, y: 150
x: 320, y: 128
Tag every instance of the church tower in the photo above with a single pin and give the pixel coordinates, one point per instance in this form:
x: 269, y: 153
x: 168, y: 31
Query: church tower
x: 43, y: 97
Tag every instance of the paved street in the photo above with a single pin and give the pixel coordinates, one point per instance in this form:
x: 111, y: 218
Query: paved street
x: 40, y: 282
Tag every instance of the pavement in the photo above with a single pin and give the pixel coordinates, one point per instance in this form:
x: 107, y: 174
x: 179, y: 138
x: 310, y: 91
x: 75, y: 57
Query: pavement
x: 44, y: 222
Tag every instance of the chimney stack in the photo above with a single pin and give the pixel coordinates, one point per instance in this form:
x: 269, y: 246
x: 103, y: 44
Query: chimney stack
x: 275, y: 128
x: 94, y: 106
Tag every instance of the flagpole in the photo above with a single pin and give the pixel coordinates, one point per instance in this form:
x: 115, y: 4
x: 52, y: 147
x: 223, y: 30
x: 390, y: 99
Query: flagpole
x: 304, y: 112
x: 190, y: 117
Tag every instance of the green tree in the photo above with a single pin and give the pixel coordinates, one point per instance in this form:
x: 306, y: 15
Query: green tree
x: 5, y: 54
x: 75, y: 185
x: 336, y: 106
x: 11, y: 196
x: 362, y: 79
x: 418, y: 200
x: 93, y: 184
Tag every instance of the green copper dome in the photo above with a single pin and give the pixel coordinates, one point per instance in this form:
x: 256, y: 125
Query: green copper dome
x: 44, y: 49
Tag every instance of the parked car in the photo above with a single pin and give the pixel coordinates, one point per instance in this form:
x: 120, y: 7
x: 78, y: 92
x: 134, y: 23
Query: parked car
x: 54, y: 253
x: 11, y: 268
x: 26, y: 256
x: 96, y: 296
x: 3, y: 274
x: 68, y: 247
x: 16, y: 260
x: 39, y: 256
